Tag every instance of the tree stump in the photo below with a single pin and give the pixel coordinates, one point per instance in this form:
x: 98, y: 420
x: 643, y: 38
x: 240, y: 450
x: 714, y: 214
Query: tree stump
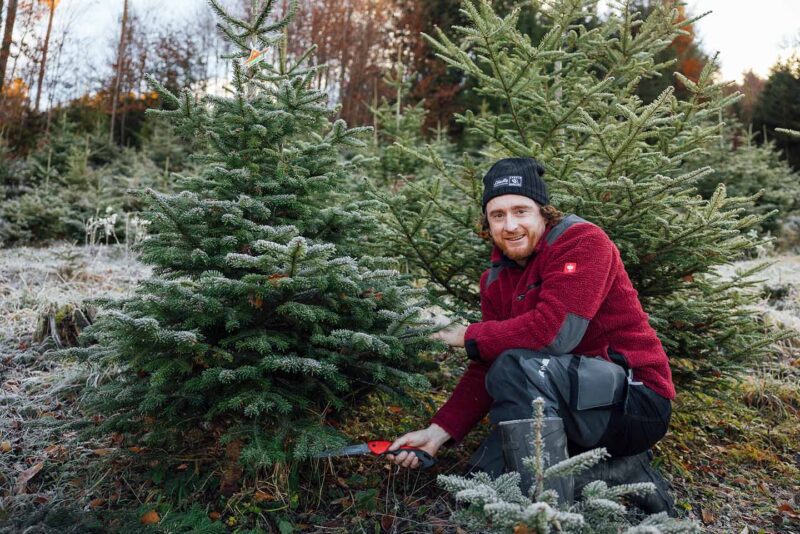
x: 63, y: 324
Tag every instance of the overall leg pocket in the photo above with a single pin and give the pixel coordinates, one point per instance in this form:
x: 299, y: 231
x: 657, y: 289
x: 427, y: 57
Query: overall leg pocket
x: 595, y: 383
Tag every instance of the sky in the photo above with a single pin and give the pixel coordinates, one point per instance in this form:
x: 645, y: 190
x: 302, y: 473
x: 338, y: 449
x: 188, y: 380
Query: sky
x: 747, y: 34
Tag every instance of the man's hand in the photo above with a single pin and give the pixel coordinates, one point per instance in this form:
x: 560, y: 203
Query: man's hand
x: 452, y: 335
x: 429, y: 440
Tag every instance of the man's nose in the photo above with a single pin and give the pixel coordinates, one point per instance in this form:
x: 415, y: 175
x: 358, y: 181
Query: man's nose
x: 510, y: 224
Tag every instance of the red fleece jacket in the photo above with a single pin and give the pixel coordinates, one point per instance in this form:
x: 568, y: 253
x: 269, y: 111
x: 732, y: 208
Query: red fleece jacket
x: 572, y: 297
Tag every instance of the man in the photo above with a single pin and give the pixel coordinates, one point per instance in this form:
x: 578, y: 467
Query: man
x: 561, y: 321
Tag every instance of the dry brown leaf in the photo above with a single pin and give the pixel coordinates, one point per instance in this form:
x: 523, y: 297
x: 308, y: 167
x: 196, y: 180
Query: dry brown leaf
x: 96, y: 503
x: 214, y: 516
x: 5, y: 446
x: 395, y: 409
x: 135, y: 450
x: 41, y: 499
x: 787, y: 509
x: 708, y: 517
x: 256, y: 301
x: 150, y: 518
x: 387, y: 522
x: 182, y: 467
x: 25, y: 476
x: 274, y: 279
x: 102, y: 452
x: 261, y: 496
x: 342, y: 482
x: 521, y: 529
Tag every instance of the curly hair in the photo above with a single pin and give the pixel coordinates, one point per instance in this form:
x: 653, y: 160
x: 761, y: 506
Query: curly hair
x: 552, y: 216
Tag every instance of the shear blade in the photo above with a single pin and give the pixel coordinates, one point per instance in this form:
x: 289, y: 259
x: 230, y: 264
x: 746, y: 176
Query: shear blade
x: 352, y: 450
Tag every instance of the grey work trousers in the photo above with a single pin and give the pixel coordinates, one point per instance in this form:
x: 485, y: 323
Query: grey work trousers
x: 600, y: 403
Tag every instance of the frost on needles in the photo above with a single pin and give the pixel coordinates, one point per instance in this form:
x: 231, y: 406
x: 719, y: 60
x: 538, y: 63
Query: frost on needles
x: 262, y: 313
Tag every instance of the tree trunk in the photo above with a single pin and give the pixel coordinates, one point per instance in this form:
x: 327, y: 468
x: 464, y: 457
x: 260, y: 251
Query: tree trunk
x: 7, y: 34
x: 52, y: 6
x: 2, y: 5
x: 118, y: 76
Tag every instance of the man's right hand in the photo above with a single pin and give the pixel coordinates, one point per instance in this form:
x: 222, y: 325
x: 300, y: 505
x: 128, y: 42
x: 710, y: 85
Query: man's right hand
x: 429, y: 440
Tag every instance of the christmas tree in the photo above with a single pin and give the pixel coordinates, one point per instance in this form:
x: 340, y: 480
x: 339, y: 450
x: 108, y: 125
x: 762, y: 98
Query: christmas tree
x: 260, y: 316
x: 748, y: 169
x: 569, y: 100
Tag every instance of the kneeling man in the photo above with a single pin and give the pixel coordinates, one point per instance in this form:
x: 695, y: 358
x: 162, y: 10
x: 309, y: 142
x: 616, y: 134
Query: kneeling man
x: 561, y: 321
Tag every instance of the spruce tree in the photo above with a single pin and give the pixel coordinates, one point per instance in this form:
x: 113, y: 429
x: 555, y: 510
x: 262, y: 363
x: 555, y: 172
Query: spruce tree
x: 570, y: 100
x: 748, y: 169
x: 396, y: 123
x: 261, y: 315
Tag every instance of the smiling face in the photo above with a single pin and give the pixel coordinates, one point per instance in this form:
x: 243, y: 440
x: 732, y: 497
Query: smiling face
x: 515, y: 225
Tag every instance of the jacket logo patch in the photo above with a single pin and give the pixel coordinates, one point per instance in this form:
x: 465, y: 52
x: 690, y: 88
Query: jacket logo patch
x: 512, y: 181
x: 570, y: 268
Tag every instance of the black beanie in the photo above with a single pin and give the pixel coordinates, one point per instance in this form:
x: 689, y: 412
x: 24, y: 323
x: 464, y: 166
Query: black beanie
x: 515, y: 176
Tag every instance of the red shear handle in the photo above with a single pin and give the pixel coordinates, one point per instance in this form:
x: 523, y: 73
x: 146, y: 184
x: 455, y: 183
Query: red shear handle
x: 380, y: 448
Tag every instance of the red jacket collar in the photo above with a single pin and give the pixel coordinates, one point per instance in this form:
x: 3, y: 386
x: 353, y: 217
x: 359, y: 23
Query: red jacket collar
x: 499, y: 257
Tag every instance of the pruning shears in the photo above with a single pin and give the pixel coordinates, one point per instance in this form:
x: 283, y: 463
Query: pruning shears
x: 379, y: 448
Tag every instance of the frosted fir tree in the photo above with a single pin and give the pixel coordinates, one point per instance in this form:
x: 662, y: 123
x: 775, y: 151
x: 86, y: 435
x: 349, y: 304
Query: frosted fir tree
x: 747, y: 169
x: 499, y: 505
x: 569, y: 100
x: 396, y: 121
x: 260, y: 316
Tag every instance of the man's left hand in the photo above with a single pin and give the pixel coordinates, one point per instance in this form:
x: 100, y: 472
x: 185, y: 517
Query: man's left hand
x: 452, y: 335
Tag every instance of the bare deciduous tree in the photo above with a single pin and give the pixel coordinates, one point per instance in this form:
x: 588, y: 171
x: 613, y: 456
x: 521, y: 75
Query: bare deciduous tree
x: 51, y: 6
x: 5, y: 49
x: 118, y: 75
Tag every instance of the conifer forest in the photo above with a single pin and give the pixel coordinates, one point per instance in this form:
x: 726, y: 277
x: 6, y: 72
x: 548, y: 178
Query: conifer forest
x: 234, y: 235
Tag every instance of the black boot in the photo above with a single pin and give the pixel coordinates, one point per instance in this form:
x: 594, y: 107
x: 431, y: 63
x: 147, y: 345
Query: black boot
x: 631, y: 470
x: 518, y: 443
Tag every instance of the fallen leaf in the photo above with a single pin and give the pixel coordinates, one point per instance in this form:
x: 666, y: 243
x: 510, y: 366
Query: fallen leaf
x: 102, y: 452
x: 274, y: 279
x: 23, y: 478
x: 261, y: 496
x: 135, y: 450
x: 342, y: 482
x: 182, y: 467
x: 214, y: 516
x: 256, y: 301
x: 5, y: 446
x: 150, y: 518
x: 387, y: 522
x: 395, y: 409
x: 41, y: 499
x: 521, y: 528
x: 787, y: 509
x: 96, y: 503
x: 688, y: 278
x: 708, y: 517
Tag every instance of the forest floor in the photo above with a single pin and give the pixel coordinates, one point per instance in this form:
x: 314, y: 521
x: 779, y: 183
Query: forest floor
x: 734, y: 462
